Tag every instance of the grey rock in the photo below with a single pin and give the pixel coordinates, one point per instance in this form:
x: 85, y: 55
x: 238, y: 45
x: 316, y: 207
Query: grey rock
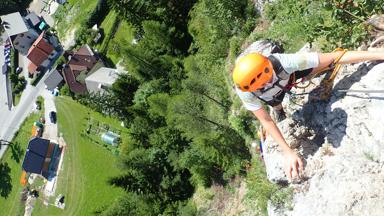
x: 377, y: 21
x: 342, y: 143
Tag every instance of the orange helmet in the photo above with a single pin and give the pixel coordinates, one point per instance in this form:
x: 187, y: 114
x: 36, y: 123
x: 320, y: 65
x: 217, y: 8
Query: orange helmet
x: 252, y: 71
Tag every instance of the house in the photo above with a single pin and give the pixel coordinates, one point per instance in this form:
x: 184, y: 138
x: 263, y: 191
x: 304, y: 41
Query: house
x: 53, y: 80
x: 23, y: 31
x: 101, y: 79
x: 13, y: 24
x: 42, y: 157
x: 40, y: 54
x: 79, y: 66
x: 19, y: 31
x: 23, y: 41
x: 33, y: 20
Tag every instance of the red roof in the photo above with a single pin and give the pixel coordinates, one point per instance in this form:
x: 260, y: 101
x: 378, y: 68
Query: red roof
x: 39, y: 52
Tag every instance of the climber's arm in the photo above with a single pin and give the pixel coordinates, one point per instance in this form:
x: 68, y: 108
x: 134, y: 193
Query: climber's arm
x: 292, y: 161
x: 325, y: 59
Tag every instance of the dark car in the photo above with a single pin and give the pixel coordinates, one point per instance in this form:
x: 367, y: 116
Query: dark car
x: 52, y: 117
x: 19, y: 70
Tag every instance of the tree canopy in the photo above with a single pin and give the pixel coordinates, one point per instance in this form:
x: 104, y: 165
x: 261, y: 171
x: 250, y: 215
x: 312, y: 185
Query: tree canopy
x: 10, y: 6
x: 176, y: 102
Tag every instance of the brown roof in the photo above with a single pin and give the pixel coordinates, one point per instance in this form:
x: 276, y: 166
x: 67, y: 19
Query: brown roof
x: 85, y: 50
x: 39, y: 52
x: 70, y: 79
x: 82, y: 60
x: 77, y: 67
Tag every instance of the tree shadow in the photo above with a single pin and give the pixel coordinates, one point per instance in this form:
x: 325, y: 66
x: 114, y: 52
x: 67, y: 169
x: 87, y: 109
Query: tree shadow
x: 5, y: 180
x: 17, y: 152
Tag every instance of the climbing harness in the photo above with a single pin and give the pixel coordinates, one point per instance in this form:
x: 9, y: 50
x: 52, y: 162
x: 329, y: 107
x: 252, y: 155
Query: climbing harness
x: 327, y: 83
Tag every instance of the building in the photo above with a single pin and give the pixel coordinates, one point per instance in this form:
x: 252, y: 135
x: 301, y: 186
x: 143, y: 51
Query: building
x: 21, y: 30
x: 79, y: 66
x: 101, y: 79
x: 53, y: 80
x: 40, y: 54
x: 13, y: 24
x: 42, y: 157
x: 23, y: 41
x: 33, y: 20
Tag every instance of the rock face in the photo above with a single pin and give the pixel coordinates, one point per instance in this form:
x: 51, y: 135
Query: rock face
x: 342, y: 143
x: 377, y: 21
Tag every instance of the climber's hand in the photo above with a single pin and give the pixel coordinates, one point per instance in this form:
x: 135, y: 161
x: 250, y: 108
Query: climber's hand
x: 293, y: 165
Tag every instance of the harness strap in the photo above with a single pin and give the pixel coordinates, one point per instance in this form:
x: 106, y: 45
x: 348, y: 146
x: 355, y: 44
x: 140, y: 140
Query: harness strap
x: 281, y: 74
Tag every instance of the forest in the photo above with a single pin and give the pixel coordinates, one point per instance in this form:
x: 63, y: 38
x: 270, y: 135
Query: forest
x: 177, y: 102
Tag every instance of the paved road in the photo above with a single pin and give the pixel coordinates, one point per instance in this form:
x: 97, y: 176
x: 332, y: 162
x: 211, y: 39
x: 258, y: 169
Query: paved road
x: 10, y: 121
x: 11, y: 118
x: 50, y: 129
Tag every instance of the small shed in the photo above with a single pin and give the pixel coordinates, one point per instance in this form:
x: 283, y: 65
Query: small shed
x: 111, y: 138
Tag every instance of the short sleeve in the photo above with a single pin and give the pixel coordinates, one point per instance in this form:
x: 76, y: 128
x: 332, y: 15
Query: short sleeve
x: 298, y: 61
x: 250, y: 101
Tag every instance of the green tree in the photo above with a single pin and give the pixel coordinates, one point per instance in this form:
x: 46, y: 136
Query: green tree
x: 10, y: 6
x: 132, y: 204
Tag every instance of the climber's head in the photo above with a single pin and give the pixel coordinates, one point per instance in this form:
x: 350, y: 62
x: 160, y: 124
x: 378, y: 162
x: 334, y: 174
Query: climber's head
x: 252, y: 72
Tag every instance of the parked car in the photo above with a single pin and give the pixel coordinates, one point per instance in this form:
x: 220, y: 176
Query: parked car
x: 52, y: 117
x: 19, y: 70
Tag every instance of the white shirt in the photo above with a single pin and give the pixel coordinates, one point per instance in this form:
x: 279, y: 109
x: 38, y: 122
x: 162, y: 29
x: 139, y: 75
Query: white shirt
x: 290, y: 63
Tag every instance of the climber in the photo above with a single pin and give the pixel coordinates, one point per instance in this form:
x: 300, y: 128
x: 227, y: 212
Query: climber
x: 259, y: 78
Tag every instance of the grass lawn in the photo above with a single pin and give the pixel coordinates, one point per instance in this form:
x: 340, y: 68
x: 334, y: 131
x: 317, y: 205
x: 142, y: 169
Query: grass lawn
x: 124, y: 35
x: 11, y: 170
x: 87, y: 166
x: 107, y: 26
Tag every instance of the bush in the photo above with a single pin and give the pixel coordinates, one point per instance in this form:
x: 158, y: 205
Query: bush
x: 66, y: 91
x: 20, y: 85
x: 340, y: 23
x: 84, y: 35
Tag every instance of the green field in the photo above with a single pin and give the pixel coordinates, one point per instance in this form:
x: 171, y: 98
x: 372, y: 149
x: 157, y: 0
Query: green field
x: 11, y: 170
x: 87, y: 166
x: 124, y: 35
x: 107, y: 26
